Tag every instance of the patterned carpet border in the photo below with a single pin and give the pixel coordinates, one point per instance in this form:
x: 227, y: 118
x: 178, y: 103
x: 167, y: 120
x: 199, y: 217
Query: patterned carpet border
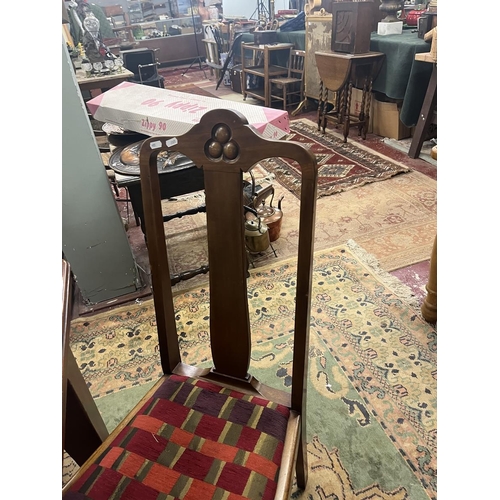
x: 342, y: 166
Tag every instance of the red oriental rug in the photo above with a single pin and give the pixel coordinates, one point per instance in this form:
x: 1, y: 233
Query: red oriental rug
x: 342, y: 166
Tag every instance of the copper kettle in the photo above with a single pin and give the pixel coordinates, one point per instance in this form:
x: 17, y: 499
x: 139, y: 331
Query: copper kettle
x: 271, y: 216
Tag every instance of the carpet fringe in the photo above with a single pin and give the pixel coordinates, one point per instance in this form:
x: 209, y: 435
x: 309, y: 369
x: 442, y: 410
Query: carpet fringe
x: 403, y: 291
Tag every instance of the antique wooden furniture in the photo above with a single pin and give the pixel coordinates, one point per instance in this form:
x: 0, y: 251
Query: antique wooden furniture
x: 289, y: 89
x: 214, y: 432
x: 429, y: 106
x: 262, y: 66
x: 116, y: 15
x: 351, y: 27
x: 144, y: 65
x: 83, y: 429
x: 176, y: 179
x: 103, y: 82
x: 339, y: 73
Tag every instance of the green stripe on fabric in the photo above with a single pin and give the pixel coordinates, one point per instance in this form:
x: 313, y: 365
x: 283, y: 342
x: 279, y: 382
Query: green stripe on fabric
x: 170, y: 455
x: 92, y: 479
x: 120, y: 459
x: 127, y: 437
x: 230, y: 434
x: 182, y: 486
x: 150, y: 406
x: 166, y: 431
x: 192, y: 420
x: 266, y: 446
x: 214, y: 472
x: 256, y: 485
x: 255, y: 417
x: 120, y: 488
x: 241, y: 457
x: 144, y: 470
x: 192, y: 397
x: 227, y: 408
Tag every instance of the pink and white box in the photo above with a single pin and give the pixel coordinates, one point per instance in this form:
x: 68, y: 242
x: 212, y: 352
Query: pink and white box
x: 153, y: 111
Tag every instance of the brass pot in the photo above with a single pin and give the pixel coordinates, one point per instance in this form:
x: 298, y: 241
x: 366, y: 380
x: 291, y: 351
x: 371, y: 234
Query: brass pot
x: 256, y: 236
x: 272, y: 217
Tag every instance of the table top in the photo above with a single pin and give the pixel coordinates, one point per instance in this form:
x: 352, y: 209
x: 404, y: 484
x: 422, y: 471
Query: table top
x: 268, y: 46
x: 102, y: 81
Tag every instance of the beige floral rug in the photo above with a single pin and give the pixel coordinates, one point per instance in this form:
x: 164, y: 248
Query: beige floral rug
x: 395, y: 220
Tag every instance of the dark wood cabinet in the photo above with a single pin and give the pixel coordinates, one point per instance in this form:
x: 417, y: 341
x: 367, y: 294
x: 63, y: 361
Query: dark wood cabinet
x: 175, y: 48
x: 352, y: 26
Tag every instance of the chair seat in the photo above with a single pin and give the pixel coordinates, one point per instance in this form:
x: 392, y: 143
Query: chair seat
x: 195, y: 440
x: 285, y: 80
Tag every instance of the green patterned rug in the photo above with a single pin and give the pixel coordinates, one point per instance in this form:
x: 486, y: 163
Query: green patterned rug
x: 372, y: 398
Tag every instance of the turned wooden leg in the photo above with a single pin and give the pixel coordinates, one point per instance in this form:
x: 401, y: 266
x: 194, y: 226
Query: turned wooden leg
x: 429, y: 306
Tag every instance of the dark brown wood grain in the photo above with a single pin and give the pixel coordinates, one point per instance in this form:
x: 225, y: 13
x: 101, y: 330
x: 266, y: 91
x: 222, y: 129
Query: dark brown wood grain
x: 224, y: 145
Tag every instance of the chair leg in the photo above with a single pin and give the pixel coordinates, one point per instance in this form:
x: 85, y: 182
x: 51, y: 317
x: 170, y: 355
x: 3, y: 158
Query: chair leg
x: 301, y: 467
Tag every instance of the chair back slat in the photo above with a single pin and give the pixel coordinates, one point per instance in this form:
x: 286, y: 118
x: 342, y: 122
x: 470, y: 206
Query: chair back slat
x: 225, y: 146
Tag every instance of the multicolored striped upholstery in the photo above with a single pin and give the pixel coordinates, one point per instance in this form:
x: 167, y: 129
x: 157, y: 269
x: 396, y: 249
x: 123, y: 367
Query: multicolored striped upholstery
x: 193, y: 440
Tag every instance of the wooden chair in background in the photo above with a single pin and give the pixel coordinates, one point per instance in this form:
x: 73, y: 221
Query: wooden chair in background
x: 289, y: 89
x: 83, y: 427
x: 215, y: 432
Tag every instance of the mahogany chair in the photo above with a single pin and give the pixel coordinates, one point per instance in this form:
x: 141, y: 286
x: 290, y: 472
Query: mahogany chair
x: 207, y: 433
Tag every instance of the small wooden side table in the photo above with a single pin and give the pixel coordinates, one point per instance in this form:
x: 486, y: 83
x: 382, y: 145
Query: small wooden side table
x: 262, y: 67
x: 339, y: 73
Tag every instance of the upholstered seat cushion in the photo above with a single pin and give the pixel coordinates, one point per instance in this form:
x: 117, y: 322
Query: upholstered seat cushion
x: 193, y: 440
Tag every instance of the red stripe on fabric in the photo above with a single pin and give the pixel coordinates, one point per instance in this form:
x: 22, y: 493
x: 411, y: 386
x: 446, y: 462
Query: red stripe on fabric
x: 210, y: 386
x: 224, y: 452
x: 199, y: 490
x: 131, y: 465
x: 210, y: 427
x: 110, y: 458
x: 194, y: 464
x: 149, y: 446
x: 137, y: 490
x: 169, y: 412
x: 235, y: 496
x: 181, y: 437
x: 248, y: 439
x: 259, y: 401
x: 147, y: 423
x: 261, y: 465
x: 105, y: 485
x: 233, y: 478
x: 80, y: 482
x: 278, y: 453
x: 283, y: 410
x: 161, y: 478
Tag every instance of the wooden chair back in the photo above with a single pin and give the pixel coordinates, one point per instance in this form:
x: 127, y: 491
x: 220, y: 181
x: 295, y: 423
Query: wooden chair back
x: 289, y: 89
x: 224, y: 146
x: 296, y: 64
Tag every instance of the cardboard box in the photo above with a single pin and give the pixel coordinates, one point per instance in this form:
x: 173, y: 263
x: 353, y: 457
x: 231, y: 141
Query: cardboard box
x: 355, y: 109
x: 386, y: 122
x: 155, y: 111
